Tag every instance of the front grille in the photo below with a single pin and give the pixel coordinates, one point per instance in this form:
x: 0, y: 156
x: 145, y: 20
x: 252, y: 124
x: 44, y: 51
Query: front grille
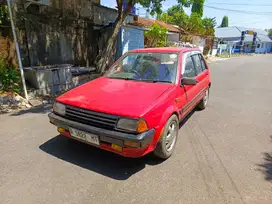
x: 92, y: 118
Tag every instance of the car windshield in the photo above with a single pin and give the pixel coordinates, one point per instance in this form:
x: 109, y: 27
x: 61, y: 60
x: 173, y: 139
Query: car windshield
x: 150, y: 67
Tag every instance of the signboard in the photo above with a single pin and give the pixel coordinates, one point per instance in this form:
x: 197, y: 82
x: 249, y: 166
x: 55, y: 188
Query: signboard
x: 131, y: 10
x: 250, y: 32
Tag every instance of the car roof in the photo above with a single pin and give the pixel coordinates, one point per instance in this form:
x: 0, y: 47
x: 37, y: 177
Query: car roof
x: 166, y: 49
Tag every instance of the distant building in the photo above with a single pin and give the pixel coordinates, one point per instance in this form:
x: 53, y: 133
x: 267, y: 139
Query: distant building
x: 173, y: 32
x: 230, y: 37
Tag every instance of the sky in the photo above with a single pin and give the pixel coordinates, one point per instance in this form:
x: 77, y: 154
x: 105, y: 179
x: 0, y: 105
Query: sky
x: 259, y: 15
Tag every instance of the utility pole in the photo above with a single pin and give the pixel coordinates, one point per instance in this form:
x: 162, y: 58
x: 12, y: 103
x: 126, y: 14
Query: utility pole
x: 17, y: 49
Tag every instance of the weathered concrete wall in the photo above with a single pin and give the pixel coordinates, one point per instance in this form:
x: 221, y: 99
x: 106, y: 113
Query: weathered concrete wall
x: 104, y: 15
x: 7, y: 51
x: 83, y: 7
x: 59, y: 33
x: 50, y: 44
x: 199, y: 41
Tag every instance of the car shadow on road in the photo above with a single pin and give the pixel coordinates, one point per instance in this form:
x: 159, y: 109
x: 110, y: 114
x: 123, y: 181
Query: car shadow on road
x: 187, y: 117
x: 96, y: 160
x: 266, y: 167
x: 38, y: 109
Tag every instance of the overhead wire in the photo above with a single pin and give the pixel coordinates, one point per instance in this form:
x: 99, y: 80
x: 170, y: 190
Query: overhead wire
x: 238, y: 4
x: 239, y: 11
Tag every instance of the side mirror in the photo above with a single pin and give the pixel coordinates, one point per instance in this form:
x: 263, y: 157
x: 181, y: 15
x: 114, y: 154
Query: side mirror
x: 188, y: 81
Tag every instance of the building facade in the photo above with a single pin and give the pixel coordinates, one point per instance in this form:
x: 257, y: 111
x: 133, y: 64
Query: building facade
x: 230, y: 38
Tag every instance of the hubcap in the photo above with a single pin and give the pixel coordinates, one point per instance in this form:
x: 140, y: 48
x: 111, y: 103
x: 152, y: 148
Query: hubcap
x: 206, y: 98
x: 171, y: 136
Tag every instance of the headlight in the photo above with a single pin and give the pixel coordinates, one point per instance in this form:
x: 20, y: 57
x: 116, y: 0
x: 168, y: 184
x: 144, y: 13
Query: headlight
x: 59, y: 108
x: 132, y: 125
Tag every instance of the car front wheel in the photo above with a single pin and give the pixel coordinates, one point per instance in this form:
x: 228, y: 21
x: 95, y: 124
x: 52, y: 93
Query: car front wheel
x: 168, y: 139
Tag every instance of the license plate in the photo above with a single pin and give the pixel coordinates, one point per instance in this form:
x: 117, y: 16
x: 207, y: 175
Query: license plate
x: 91, y: 138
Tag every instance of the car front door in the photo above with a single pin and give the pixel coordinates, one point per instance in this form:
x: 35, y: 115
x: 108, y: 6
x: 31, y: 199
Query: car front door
x: 202, y: 74
x: 187, y: 92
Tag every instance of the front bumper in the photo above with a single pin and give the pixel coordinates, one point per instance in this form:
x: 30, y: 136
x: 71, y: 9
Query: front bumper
x: 109, y: 137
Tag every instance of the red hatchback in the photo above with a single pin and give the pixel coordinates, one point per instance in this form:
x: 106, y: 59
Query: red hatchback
x: 135, y: 108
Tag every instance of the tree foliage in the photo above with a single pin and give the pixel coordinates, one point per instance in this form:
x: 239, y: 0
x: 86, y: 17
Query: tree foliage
x: 209, y: 25
x: 4, y: 16
x: 197, y: 7
x: 156, y: 36
x: 225, y: 22
x: 193, y: 24
x: 9, y: 77
x: 269, y: 31
x: 206, y: 49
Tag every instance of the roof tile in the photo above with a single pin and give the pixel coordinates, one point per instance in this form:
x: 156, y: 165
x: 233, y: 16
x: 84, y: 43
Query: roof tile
x: 147, y: 22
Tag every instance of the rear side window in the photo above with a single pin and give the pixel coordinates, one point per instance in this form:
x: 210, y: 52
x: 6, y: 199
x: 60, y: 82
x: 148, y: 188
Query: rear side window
x: 189, y: 70
x: 198, y: 65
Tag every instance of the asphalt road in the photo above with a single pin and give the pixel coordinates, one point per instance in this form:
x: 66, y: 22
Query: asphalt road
x: 223, y: 154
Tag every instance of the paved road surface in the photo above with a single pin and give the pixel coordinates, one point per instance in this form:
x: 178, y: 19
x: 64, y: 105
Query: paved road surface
x: 222, y: 155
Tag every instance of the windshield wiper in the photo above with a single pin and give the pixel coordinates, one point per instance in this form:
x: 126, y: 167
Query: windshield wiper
x: 156, y: 81
x: 125, y: 78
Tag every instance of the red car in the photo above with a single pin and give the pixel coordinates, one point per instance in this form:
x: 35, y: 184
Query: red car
x: 136, y: 106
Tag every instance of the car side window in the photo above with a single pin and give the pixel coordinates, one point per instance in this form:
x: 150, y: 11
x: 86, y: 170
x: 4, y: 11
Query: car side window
x: 189, y: 69
x: 197, y: 63
x: 204, y: 66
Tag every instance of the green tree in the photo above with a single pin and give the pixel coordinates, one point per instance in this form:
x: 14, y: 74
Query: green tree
x: 209, y: 25
x: 105, y: 57
x: 193, y: 24
x: 225, y: 22
x: 197, y: 7
x: 9, y: 77
x: 269, y: 31
x: 156, y: 36
x: 4, y: 16
x: 175, y: 15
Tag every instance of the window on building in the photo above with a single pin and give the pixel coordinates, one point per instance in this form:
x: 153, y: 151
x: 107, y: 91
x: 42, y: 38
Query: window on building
x: 258, y: 46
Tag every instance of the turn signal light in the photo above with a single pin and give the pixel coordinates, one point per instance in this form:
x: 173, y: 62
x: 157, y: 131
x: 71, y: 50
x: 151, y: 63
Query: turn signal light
x: 61, y: 130
x: 64, y: 131
x: 142, y: 126
x: 131, y: 144
x: 116, y: 147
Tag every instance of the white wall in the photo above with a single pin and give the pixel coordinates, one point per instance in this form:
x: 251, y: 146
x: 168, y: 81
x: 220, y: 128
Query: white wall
x: 214, y: 52
x: 199, y: 42
x: 269, y: 47
x: 172, y: 37
x: 262, y: 47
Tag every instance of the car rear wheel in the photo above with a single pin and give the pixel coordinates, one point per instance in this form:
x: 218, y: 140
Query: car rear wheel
x: 204, y: 101
x: 168, y: 139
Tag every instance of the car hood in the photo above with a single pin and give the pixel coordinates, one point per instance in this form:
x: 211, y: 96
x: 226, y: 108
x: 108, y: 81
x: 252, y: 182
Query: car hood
x: 116, y: 96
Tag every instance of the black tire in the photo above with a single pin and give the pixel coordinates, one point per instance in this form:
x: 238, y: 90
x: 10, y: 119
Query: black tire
x: 162, y: 151
x: 204, y: 101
